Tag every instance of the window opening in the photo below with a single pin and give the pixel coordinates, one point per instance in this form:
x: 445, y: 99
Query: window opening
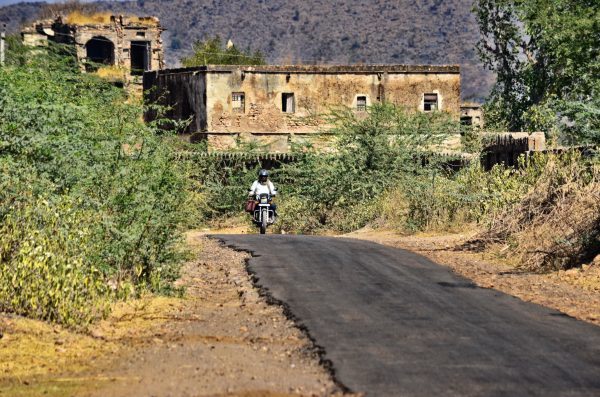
x: 140, y: 34
x: 466, y: 120
x: 361, y: 103
x: 238, y: 102
x: 140, y: 57
x: 430, y: 102
x: 287, y: 102
x: 99, y: 51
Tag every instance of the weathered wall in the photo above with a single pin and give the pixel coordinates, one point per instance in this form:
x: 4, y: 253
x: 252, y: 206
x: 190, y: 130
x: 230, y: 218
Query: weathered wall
x: 315, y: 94
x: 472, y: 113
x: 119, y: 30
x: 121, y: 33
x: 204, y: 94
x: 182, y: 92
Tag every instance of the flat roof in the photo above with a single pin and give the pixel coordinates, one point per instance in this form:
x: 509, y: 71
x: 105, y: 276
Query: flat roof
x: 318, y: 69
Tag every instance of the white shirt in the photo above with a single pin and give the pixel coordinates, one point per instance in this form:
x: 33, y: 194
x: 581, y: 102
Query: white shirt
x: 259, y: 188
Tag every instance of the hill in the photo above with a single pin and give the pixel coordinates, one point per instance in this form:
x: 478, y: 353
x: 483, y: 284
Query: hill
x: 317, y: 31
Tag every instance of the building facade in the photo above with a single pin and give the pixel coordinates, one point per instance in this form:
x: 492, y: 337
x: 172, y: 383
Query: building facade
x: 127, y: 45
x: 279, y: 105
x: 471, y: 114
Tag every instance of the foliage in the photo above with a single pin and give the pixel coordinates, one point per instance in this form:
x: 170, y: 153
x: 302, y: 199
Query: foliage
x: 371, y: 153
x: 67, y: 7
x: 16, y: 54
x: 79, y: 166
x: 546, y: 55
x: 450, y: 200
x: 212, y: 52
x: 555, y: 224
x: 45, y: 261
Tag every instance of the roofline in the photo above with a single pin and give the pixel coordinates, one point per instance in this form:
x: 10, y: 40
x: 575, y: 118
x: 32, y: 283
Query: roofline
x: 318, y: 69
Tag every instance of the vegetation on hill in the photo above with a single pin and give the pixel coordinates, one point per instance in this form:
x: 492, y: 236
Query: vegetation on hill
x: 90, y: 201
x: 546, y: 55
x: 316, y: 31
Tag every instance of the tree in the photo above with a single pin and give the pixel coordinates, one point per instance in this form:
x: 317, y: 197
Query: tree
x: 546, y: 54
x: 212, y: 52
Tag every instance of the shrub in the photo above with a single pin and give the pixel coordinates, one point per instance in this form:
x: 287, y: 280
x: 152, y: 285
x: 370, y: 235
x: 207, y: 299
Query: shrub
x: 556, y: 223
x: 342, y: 190
x: 45, y: 266
x: 97, y: 191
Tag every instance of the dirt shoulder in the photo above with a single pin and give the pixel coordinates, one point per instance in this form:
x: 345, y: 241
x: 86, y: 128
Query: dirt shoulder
x: 575, y: 292
x: 222, y: 339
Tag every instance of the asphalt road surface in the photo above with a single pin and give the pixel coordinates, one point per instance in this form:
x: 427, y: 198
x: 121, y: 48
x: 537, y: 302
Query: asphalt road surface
x: 393, y: 323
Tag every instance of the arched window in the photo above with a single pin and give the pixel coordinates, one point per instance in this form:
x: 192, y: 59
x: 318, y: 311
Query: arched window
x: 99, y: 51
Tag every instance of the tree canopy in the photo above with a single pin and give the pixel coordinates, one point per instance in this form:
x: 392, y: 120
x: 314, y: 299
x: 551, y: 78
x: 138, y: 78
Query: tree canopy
x: 546, y: 54
x: 211, y: 51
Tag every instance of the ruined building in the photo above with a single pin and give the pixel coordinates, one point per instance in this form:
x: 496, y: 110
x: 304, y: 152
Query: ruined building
x: 471, y: 114
x: 128, y: 46
x: 277, y: 106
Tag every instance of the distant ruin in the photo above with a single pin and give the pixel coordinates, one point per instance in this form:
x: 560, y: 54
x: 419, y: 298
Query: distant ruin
x: 277, y: 106
x: 125, y: 47
x: 471, y: 114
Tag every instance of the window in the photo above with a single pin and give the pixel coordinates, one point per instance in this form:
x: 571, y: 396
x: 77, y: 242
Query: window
x: 361, y: 103
x: 466, y: 120
x: 238, y: 102
x: 287, y: 102
x: 140, y: 34
x: 140, y: 57
x: 430, y: 102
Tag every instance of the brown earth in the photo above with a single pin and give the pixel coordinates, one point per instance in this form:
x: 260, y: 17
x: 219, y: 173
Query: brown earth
x: 221, y: 339
x: 574, y: 292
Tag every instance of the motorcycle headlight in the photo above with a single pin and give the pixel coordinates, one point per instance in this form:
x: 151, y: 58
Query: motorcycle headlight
x: 263, y: 200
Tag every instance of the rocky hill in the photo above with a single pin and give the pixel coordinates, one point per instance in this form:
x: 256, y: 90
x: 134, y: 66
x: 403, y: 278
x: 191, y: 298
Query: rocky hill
x: 317, y: 31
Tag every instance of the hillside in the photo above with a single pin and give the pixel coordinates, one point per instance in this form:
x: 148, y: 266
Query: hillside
x: 318, y: 31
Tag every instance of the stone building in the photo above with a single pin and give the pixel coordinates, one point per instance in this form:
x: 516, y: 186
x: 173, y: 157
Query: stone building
x: 130, y: 45
x: 471, y: 114
x: 279, y: 105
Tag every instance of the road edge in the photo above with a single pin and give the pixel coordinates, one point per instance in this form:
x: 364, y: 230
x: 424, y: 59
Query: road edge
x: 264, y: 293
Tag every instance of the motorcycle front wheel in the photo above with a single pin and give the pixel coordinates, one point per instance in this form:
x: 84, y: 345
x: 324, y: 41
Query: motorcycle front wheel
x: 263, y: 224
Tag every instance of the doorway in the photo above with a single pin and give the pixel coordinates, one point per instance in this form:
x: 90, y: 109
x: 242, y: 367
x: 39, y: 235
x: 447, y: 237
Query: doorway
x: 140, y: 57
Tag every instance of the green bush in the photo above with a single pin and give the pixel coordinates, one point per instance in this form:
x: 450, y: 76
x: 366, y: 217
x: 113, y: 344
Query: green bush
x: 74, y: 148
x: 441, y: 200
x: 342, y: 191
x: 45, y: 267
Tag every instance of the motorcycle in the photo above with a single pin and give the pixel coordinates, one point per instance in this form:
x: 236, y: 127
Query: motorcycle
x: 263, y: 215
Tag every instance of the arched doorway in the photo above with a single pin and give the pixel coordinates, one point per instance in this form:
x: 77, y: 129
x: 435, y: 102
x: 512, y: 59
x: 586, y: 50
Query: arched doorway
x: 99, y: 51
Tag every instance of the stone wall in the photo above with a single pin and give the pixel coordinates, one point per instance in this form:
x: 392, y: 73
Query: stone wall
x: 316, y: 90
x: 181, y: 93
x: 262, y: 122
x: 123, y: 33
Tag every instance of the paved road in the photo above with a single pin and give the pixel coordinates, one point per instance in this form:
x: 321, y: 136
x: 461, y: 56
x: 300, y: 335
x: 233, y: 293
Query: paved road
x: 396, y: 324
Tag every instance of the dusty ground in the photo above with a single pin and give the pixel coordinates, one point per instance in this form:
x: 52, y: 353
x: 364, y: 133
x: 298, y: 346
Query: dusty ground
x: 222, y: 339
x: 575, y: 292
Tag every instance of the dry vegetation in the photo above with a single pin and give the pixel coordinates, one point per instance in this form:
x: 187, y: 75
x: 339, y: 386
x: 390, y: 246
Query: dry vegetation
x: 85, y: 18
x: 556, y: 226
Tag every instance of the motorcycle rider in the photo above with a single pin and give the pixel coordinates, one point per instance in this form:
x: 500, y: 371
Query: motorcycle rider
x: 263, y: 185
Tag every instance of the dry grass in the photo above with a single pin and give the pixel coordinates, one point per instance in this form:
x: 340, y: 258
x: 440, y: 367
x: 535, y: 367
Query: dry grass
x: 143, y: 21
x: 83, y: 18
x: 34, y: 354
x: 112, y: 73
x: 556, y: 226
